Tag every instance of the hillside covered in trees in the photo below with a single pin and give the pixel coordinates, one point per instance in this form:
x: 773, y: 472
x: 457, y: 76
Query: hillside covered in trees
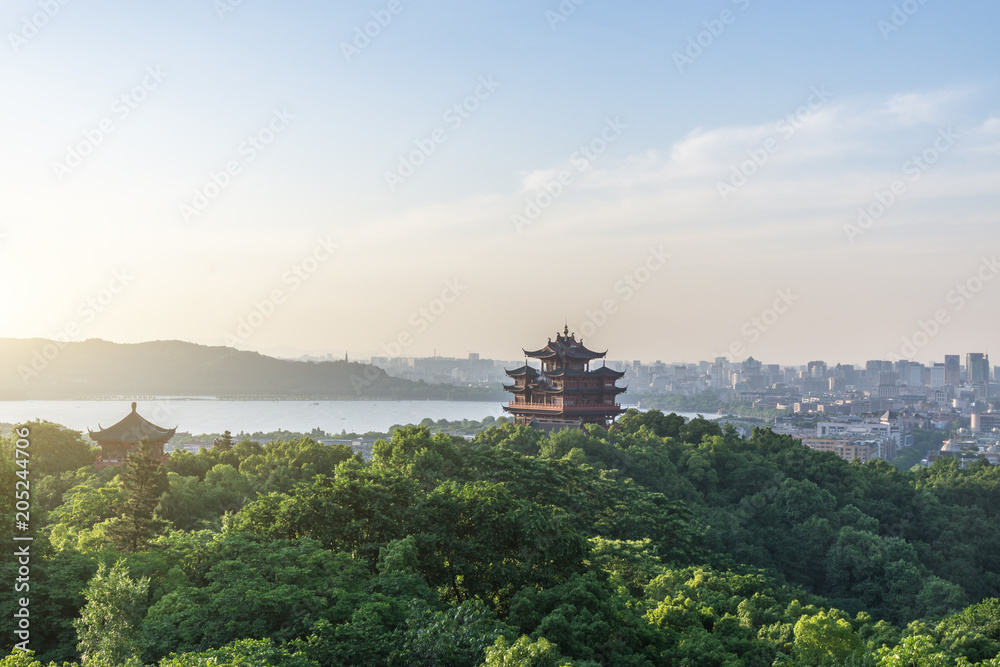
x: 659, y: 542
x: 43, y: 369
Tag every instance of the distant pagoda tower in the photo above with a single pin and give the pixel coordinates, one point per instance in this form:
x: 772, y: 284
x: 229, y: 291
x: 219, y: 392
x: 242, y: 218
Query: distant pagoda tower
x: 565, y: 392
x: 116, y: 441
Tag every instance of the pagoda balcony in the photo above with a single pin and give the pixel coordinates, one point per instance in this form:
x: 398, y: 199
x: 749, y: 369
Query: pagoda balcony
x: 526, y: 407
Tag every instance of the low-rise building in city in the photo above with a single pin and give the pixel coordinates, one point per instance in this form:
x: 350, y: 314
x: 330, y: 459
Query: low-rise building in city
x: 850, y: 448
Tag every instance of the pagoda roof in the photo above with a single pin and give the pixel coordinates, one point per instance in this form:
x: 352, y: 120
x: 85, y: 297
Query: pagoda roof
x: 601, y: 372
x: 586, y: 390
x: 131, y: 429
x: 522, y: 370
x: 604, y: 371
x: 565, y: 346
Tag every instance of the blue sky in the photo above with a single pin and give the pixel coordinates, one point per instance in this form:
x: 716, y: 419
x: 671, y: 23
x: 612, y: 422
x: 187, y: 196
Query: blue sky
x: 596, y: 145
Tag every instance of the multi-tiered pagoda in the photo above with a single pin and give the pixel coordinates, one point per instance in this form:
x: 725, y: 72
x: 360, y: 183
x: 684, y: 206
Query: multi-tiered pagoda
x: 565, y: 391
x: 118, y: 440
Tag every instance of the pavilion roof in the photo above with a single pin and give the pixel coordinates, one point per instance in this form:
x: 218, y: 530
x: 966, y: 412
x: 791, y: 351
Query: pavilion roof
x: 131, y: 429
x: 565, y: 346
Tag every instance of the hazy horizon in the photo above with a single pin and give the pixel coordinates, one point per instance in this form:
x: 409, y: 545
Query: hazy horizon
x: 292, y: 354
x: 729, y: 178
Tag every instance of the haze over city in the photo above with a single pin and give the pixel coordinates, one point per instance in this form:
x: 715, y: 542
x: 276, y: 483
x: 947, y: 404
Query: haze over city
x: 673, y: 181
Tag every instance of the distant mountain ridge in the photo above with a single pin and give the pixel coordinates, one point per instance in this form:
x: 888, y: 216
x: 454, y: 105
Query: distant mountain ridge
x: 36, y: 368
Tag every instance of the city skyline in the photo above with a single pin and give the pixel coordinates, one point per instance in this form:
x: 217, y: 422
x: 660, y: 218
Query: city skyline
x: 730, y: 178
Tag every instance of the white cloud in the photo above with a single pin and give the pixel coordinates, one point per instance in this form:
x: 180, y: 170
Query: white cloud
x: 919, y: 108
x: 991, y: 125
x: 820, y: 169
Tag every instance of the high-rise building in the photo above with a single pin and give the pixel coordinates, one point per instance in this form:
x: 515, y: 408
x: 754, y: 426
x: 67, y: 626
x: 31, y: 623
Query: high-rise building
x: 937, y: 375
x: 952, y: 370
x: 977, y: 367
x: 817, y: 369
x: 873, y: 369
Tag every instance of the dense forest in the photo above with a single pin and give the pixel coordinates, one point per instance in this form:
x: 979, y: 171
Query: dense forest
x: 658, y: 542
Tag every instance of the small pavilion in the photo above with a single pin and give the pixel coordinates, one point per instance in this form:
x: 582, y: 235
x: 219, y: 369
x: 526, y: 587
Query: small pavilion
x: 118, y: 440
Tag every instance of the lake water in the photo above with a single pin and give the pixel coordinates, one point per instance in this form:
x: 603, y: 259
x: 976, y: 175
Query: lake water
x: 214, y: 416
x: 198, y: 416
